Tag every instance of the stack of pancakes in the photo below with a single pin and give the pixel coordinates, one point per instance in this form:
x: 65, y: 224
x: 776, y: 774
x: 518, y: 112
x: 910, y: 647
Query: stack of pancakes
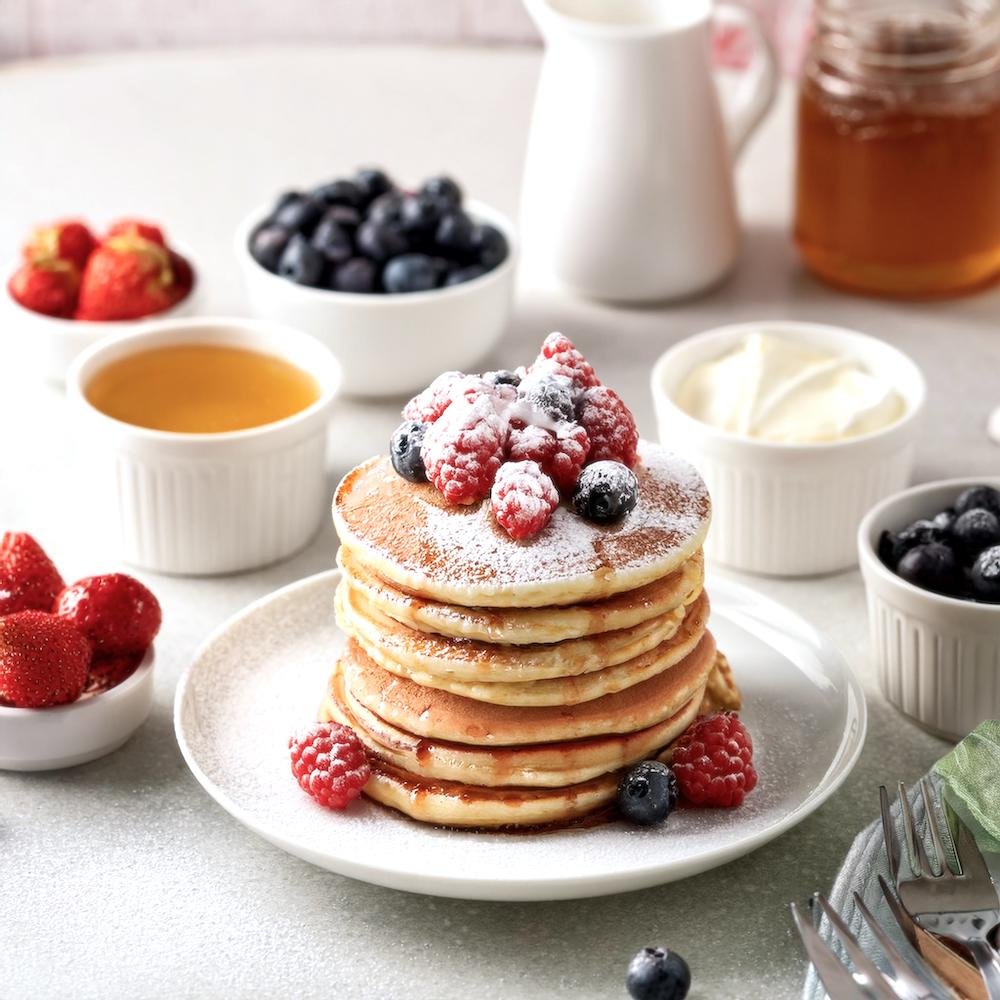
x: 505, y: 683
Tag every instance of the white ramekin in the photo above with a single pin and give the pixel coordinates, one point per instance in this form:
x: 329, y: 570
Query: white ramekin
x: 211, y: 503
x: 938, y: 658
x: 42, y: 739
x: 391, y: 344
x: 785, y: 509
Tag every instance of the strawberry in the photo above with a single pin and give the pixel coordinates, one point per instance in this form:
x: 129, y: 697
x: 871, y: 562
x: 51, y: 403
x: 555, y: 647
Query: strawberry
x: 69, y: 240
x: 28, y: 578
x: 136, y: 227
x: 50, y: 287
x: 107, y: 672
x: 43, y: 660
x: 114, y: 611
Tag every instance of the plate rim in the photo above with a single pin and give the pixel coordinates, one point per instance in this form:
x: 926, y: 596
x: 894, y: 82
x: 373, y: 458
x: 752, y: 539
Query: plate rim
x: 549, y: 887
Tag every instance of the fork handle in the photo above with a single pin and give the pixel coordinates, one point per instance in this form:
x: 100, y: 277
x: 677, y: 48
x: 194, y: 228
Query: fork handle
x: 988, y: 963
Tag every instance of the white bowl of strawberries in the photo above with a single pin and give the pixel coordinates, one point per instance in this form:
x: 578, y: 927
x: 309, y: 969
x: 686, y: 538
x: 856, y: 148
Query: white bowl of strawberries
x: 71, y: 289
x: 76, y: 662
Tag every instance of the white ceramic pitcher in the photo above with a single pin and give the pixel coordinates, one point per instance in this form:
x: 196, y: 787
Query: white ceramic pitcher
x: 628, y: 189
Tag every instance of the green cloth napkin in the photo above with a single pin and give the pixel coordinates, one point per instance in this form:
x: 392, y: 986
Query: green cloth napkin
x: 971, y: 777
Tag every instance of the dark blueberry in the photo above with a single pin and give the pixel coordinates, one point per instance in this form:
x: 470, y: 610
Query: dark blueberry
x: 333, y: 241
x: 551, y: 395
x: 658, y: 974
x: 502, y: 377
x: 387, y: 207
x: 286, y: 199
x: 267, y: 243
x: 339, y: 192
x: 892, y: 548
x: 300, y: 216
x: 301, y: 262
x: 372, y: 182
x: 454, y: 234
x: 419, y: 216
x: 931, y: 567
x: 605, y: 492
x: 358, y: 275
x: 945, y: 519
x: 404, y: 451
x: 349, y: 218
x: 975, y: 530
x: 380, y: 240
x: 443, y: 190
x: 648, y: 793
x: 978, y: 496
x: 986, y: 575
x: 463, y: 274
x: 489, y: 246
x: 410, y: 272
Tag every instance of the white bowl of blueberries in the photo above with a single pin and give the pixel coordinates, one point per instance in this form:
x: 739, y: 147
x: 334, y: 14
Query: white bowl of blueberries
x: 400, y: 285
x: 930, y: 558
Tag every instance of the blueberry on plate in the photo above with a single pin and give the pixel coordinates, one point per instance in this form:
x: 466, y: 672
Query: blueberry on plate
x: 551, y: 395
x: 301, y: 262
x: 419, y: 216
x: 333, y: 241
x: 386, y: 207
x: 267, y: 244
x: 410, y: 272
x: 932, y: 567
x: 605, y: 492
x: 647, y: 793
x: 658, y: 974
x: 380, y: 240
x: 404, y: 450
x: 973, y: 531
x: 372, y: 182
x: 978, y: 496
x: 300, y: 216
x: 463, y: 274
x: 985, y: 575
x: 454, y: 234
x: 358, y: 275
x: 443, y: 190
x: 892, y: 548
x: 339, y: 192
x: 489, y: 245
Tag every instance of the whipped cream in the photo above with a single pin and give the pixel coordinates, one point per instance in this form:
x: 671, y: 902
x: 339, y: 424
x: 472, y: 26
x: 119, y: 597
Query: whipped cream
x: 775, y: 389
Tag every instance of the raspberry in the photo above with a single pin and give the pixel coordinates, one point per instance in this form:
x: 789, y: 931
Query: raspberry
x: 428, y: 406
x: 330, y: 763
x: 610, y: 426
x: 523, y: 498
x: 464, y: 449
x: 564, y: 359
x: 560, y: 455
x: 43, y: 660
x: 713, y: 761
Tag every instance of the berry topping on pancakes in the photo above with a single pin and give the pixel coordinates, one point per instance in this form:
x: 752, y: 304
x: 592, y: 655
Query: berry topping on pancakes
x: 523, y: 498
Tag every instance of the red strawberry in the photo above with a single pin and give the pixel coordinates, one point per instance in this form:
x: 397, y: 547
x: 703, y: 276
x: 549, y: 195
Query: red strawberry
x: 136, y: 227
x: 28, y: 578
x: 69, y: 240
x: 107, y: 672
x: 50, y: 287
x: 43, y: 660
x: 114, y: 611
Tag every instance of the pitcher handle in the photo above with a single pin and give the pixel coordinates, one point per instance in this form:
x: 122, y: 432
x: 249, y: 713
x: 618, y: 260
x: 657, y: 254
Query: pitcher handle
x: 759, y: 83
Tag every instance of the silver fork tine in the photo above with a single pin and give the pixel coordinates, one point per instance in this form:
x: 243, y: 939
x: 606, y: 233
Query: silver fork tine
x: 888, y: 832
x: 970, y: 858
x: 930, y: 808
x: 917, y: 856
x: 832, y: 974
x: 864, y: 965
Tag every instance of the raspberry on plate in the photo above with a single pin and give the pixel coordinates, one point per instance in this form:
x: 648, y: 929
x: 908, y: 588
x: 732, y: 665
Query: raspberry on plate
x: 559, y: 356
x: 330, y: 763
x: 43, y: 660
x: 713, y: 761
x: 609, y: 425
x: 523, y: 499
x: 114, y: 611
x: 28, y: 579
x: 561, y: 455
x: 464, y: 448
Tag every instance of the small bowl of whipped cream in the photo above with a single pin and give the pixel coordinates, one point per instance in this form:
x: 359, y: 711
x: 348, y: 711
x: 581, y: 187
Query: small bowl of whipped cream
x: 798, y: 429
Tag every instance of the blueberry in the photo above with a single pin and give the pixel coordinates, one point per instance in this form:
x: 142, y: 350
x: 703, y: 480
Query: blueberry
x: 419, y: 216
x: 454, y: 234
x: 647, y: 793
x: 551, y: 395
x: 300, y: 216
x: 339, y: 192
x: 489, y: 246
x: 606, y: 491
x: 978, y: 496
x: 301, y: 262
x: 463, y: 274
x: 372, y: 182
x: 443, y: 190
x: 387, y: 207
x: 333, y: 241
x: 410, y: 272
x: 286, y: 199
x: 975, y: 530
x: 986, y: 575
x: 502, y: 377
x: 267, y: 243
x: 345, y: 215
x: 931, y: 567
x: 658, y: 974
x: 404, y: 451
x: 892, y: 548
x: 945, y: 519
x: 381, y: 240
x: 358, y: 275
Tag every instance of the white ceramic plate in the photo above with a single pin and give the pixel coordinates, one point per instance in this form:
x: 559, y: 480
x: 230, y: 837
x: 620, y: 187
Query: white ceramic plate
x: 263, y: 674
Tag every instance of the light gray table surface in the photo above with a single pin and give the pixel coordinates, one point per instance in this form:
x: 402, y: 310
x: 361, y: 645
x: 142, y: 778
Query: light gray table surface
x: 122, y: 878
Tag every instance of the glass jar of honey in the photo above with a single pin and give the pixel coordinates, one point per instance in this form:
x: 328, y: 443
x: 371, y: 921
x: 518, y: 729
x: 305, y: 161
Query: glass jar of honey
x: 898, y: 171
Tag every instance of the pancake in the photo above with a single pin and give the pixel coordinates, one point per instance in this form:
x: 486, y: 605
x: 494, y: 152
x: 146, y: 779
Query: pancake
x: 721, y: 693
x: 523, y: 626
x: 441, y: 715
x: 405, y: 650
x: 539, y: 765
x: 410, y: 535
x: 571, y: 690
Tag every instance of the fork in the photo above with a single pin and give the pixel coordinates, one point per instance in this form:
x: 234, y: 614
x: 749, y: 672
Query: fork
x: 960, y: 905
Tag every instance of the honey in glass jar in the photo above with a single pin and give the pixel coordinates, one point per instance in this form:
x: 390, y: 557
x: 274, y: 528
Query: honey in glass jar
x: 898, y: 171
